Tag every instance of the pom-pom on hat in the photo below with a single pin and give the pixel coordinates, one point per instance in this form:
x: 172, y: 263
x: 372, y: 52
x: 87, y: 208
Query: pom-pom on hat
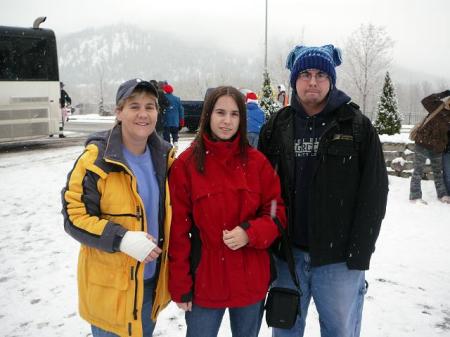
x: 168, y: 89
x: 324, y: 58
x: 251, y: 97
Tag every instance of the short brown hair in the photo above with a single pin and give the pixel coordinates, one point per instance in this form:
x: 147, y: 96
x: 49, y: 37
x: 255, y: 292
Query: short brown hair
x: 136, y: 92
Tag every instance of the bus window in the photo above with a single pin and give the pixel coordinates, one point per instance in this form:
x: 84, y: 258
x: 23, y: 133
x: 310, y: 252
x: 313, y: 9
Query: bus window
x: 27, y: 59
x: 29, y: 84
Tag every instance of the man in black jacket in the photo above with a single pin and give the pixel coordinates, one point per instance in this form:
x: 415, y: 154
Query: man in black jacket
x: 335, y: 186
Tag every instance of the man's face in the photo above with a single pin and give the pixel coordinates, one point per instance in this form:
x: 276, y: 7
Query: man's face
x: 312, y: 87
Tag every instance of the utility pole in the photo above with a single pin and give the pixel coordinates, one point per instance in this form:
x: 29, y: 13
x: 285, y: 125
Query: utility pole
x: 265, y: 43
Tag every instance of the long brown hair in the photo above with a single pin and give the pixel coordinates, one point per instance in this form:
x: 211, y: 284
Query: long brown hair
x: 205, y: 123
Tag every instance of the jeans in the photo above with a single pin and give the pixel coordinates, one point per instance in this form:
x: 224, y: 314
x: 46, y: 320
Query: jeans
x: 147, y: 324
x: 337, y: 291
x: 446, y: 167
x: 205, y: 322
x: 420, y: 156
x: 253, y: 139
x: 168, y: 131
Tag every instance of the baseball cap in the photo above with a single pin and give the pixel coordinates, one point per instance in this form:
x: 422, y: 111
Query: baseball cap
x: 126, y: 88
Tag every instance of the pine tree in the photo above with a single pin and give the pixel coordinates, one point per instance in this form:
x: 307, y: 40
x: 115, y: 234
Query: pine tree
x: 267, y: 103
x: 388, y: 118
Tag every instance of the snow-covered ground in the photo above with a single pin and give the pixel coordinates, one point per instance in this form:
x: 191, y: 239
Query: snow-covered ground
x: 409, y: 292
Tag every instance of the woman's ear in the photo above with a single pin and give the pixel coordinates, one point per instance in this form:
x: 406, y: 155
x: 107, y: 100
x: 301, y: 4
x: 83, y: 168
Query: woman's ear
x: 118, y: 114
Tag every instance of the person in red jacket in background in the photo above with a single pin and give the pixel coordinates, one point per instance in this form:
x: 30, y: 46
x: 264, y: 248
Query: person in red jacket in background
x: 224, y: 197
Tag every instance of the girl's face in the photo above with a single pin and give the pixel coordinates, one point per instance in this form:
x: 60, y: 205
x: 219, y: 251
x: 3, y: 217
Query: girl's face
x: 225, y: 118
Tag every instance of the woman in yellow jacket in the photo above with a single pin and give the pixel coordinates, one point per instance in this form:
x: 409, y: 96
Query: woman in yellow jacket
x: 116, y: 204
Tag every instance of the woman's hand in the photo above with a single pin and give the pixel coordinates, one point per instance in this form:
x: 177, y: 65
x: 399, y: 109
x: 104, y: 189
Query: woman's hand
x: 236, y: 238
x: 154, y: 253
x: 186, y: 306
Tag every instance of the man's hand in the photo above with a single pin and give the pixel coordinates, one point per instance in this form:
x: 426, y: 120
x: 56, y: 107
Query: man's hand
x: 236, y: 238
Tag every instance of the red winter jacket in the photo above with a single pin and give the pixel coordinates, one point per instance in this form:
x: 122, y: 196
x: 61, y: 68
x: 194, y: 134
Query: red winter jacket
x: 228, y: 194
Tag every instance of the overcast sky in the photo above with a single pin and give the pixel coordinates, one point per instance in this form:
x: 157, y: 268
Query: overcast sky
x: 420, y: 28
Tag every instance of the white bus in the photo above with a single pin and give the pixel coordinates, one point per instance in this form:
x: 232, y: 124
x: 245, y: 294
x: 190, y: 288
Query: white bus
x: 29, y: 83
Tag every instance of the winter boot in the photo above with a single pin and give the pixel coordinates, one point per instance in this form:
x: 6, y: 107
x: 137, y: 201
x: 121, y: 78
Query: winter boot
x: 418, y: 201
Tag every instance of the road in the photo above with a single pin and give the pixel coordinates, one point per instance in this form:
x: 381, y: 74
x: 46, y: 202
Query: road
x: 75, y: 133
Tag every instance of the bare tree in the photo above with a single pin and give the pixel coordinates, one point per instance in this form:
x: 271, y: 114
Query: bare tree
x: 367, y: 56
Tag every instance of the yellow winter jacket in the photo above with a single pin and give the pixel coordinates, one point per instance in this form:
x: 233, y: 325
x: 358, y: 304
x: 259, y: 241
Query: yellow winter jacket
x: 100, y: 203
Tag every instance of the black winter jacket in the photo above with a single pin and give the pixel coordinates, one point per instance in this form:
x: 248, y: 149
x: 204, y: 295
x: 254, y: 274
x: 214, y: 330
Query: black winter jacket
x: 348, y: 192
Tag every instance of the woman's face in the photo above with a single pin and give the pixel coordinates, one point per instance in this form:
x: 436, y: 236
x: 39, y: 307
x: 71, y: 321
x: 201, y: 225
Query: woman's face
x: 138, y: 117
x: 225, y: 118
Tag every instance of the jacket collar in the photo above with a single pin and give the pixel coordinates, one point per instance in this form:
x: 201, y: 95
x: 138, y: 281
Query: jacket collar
x: 222, y: 149
x: 335, y: 100
x: 159, y: 149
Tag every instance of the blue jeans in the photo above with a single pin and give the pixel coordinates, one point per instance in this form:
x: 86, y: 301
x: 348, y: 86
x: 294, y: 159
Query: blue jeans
x: 446, y: 168
x: 338, y: 294
x: 170, y: 131
x: 205, y: 322
x: 421, y: 154
x: 147, y: 324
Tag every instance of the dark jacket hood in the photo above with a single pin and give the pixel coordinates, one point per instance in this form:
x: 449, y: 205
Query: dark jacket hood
x: 336, y: 98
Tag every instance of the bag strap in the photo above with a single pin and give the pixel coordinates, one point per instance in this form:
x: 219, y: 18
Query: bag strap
x: 288, y: 253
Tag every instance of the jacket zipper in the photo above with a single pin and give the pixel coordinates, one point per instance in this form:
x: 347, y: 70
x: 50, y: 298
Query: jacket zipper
x: 140, y: 218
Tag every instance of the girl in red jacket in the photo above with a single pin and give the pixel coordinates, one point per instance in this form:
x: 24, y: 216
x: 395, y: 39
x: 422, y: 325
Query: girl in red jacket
x: 224, y: 194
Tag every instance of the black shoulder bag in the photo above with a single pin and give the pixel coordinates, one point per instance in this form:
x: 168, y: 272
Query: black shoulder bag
x: 282, y: 304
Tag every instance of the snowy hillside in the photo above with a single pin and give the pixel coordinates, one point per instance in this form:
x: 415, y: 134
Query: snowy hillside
x: 116, y: 53
x: 409, y: 292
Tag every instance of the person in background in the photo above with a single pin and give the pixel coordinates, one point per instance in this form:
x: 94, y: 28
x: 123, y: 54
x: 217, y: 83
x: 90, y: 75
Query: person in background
x: 255, y: 119
x: 334, y: 184
x: 163, y: 104
x: 224, y: 195
x: 173, y: 116
x: 64, y: 103
x: 282, y: 96
x: 446, y: 155
x: 116, y: 204
x: 431, y: 139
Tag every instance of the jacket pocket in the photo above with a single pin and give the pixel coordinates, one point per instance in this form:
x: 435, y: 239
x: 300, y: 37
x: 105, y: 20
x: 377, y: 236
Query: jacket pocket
x: 342, y: 160
x: 250, y: 200
x: 107, y: 293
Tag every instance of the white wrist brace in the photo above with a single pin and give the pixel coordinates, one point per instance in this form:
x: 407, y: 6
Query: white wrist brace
x: 137, y: 245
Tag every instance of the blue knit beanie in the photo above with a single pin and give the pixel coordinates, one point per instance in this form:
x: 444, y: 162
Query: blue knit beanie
x: 324, y: 58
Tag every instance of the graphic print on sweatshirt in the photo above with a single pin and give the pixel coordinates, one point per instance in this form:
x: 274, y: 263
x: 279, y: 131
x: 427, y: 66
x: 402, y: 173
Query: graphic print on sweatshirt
x: 306, y: 147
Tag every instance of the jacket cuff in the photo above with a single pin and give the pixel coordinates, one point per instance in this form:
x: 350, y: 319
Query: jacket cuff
x: 118, y: 238
x: 187, y: 297
x: 359, y: 262
x: 245, y: 226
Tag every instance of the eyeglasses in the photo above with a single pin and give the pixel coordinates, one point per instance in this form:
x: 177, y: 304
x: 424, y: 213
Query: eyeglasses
x: 320, y: 77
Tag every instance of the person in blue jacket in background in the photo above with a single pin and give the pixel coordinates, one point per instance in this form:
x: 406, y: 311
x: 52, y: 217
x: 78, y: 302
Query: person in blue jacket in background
x: 173, y: 116
x: 255, y: 119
